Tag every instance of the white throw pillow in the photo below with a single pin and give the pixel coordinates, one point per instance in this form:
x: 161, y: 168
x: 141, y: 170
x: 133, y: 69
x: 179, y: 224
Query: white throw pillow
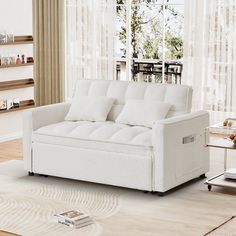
x: 143, y: 113
x: 89, y: 108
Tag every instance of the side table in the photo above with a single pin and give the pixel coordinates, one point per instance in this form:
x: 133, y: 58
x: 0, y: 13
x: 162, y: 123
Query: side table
x: 219, y: 179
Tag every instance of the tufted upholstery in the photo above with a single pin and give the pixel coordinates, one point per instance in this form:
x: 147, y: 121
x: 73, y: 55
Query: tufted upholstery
x: 99, y: 131
x: 154, y: 159
x: 177, y: 95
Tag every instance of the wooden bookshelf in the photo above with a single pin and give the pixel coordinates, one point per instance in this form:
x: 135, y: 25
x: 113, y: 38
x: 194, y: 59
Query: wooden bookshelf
x: 23, y: 105
x: 16, y: 65
x: 24, y: 39
x: 20, y: 83
x: 16, y: 84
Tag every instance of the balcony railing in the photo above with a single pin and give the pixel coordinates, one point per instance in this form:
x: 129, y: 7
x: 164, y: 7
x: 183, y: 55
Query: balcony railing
x: 151, y: 70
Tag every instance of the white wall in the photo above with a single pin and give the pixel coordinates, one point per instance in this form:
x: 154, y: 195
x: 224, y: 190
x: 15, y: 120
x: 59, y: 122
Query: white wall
x: 16, y: 17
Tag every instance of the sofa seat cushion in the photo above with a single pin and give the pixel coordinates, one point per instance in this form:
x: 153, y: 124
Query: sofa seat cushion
x: 107, y: 136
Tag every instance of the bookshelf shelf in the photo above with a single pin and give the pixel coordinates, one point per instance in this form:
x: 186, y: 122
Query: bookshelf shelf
x: 16, y: 65
x: 25, y: 39
x: 16, y: 84
x: 20, y: 83
x: 23, y: 105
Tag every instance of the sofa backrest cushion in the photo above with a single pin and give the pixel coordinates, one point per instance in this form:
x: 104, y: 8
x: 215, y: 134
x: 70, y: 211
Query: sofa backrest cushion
x: 179, y: 96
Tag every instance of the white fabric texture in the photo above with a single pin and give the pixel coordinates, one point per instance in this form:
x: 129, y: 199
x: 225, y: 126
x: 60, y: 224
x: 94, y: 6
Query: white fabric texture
x: 210, y: 54
x: 100, y: 131
x: 33, y: 119
x: 143, y: 113
x: 107, y: 152
x: 89, y: 108
x: 95, y: 145
x: 119, y: 169
x: 179, y: 96
x: 175, y: 161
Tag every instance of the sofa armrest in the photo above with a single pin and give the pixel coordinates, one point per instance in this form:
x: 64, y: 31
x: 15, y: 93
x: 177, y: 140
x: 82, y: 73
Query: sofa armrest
x: 38, y: 117
x: 179, y: 149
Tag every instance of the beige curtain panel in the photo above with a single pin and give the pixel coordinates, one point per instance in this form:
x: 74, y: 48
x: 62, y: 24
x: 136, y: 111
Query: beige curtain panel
x: 49, y: 51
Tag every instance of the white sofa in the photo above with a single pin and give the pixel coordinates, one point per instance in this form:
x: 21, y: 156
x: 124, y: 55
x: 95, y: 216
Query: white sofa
x: 151, y: 159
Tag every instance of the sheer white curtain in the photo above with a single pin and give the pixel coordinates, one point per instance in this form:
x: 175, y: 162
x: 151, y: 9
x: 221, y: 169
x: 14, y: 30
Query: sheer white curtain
x: 90, y: 40
x: 210, y: 53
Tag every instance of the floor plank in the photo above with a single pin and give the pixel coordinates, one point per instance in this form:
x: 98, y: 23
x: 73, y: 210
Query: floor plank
x: 3, y: 233
x: 11, y: 150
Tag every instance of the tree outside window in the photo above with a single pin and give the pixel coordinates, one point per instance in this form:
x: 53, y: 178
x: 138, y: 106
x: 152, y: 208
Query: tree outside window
x: 154, y: 29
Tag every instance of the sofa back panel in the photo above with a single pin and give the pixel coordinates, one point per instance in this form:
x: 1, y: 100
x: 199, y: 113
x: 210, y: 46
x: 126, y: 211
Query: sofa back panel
x: 82, y: 88
x: 179, y: 96
x: 98, y: 88
x: 155, y: 92
x: 118, y: 91
x: 136, y: 90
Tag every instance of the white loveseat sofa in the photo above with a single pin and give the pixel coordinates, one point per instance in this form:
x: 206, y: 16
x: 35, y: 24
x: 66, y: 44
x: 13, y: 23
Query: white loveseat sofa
x: 156, y: 159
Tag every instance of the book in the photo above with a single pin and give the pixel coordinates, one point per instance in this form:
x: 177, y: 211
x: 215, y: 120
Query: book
x: 78, y: 225
x: 73, y: 222
x: 74, y: 218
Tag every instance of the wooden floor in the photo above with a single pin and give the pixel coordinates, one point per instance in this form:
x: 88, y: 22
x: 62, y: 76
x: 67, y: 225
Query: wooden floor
x: 11, y: 150
x: 3, y: 233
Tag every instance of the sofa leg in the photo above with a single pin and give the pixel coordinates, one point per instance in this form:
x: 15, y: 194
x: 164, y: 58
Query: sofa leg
x: 31, y: 173
x: 209, y: 187
x: 160, y: 194
x: 203, y: 176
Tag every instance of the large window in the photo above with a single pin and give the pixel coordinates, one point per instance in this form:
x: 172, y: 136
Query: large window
x: 149, y: 40
x: 139, y: 40
x: 142, y: 40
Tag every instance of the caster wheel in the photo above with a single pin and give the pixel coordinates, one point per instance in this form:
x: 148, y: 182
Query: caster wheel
x: 146, y: 192
x: 31, y: 173
x: 209, y: 187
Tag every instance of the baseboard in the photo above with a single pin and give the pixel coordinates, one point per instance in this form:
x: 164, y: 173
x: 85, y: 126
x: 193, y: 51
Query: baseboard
x: 9, y: 137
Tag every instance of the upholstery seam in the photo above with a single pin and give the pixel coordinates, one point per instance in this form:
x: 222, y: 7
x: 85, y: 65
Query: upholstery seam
x: 149, y: 152
x: 100, y: 141
x: 185, y: 119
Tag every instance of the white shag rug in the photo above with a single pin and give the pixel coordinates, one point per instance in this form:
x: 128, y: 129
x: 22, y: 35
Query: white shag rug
x: 28, y: 203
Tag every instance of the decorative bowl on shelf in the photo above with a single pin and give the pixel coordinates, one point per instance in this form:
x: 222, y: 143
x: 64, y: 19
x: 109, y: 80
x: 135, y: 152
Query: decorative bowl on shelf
x: 232, y: 138
x: 229, y: 123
